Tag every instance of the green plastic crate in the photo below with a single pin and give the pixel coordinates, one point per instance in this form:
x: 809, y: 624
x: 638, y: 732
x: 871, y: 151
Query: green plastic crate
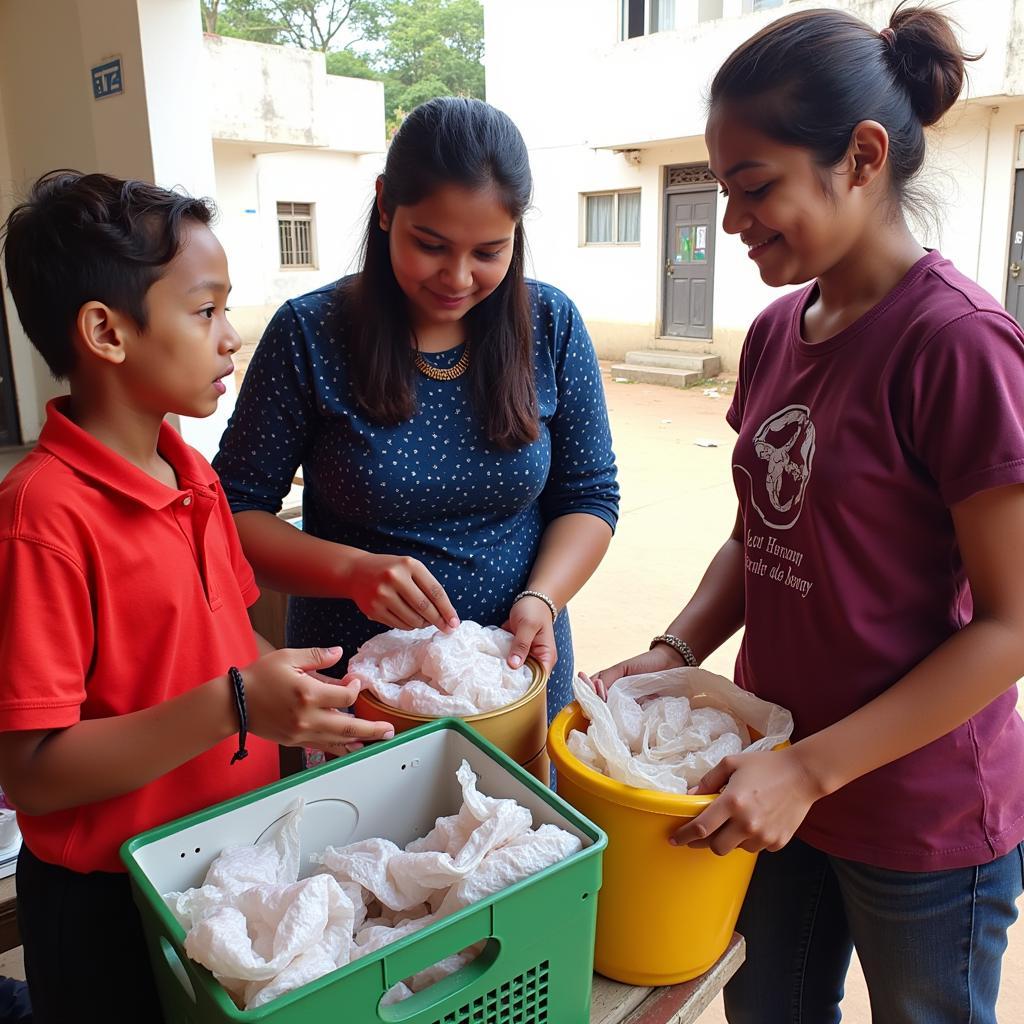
x: 537, y: 965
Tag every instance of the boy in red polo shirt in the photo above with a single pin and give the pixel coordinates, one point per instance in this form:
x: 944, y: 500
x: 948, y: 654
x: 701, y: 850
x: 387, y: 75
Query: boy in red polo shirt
x: 123, y: 606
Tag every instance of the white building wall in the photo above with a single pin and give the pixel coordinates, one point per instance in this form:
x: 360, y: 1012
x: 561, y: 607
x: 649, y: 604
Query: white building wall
x: 649, y: 94
x: 249, y: 186
x: 286, y: 131
x: 283, y: 96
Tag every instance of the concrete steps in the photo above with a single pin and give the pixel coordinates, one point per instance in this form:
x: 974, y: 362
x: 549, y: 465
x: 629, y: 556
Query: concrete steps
x: 676, y: 369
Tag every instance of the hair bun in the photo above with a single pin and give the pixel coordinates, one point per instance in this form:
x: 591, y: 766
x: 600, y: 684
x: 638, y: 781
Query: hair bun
x: 927, y: 57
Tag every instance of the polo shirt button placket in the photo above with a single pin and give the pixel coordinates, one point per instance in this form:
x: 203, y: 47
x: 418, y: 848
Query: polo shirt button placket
x: 187, y: 500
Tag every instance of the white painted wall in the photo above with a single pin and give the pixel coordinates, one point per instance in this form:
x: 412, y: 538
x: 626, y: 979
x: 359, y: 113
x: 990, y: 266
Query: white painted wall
x: 286, y: 131
x: 340, y: 185
x: 283, y: 96
x: 355, y: 115
x: 606, y: 92
x: 650, y: 93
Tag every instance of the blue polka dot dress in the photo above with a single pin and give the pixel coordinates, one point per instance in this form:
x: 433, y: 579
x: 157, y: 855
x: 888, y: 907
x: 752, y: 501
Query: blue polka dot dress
x: 432, y: 487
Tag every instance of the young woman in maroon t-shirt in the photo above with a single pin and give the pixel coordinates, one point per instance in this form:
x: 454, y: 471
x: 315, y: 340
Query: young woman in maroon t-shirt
x: 877, y: 559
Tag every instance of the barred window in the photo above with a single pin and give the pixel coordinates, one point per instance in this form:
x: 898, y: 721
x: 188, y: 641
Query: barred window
x: 295, y: 234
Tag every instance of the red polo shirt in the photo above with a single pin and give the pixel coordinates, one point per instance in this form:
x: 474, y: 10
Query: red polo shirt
x: 119, y: 593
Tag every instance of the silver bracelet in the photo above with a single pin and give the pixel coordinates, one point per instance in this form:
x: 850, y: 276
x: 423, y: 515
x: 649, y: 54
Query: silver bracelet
x: 541, y: 597
x: 681, y: 647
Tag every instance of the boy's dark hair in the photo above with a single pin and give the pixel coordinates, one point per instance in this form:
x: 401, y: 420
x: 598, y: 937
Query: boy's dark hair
x: 79, y: 238
x: 810, y: 78
x: 465, y: 142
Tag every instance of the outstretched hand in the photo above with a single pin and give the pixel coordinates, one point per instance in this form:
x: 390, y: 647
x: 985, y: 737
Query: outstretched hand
x: 291, y: 703
x: 765, y: 797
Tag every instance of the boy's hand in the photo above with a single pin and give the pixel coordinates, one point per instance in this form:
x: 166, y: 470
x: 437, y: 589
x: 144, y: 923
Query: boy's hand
x: 291, y: 704
x: 398, y: 591
x: 764, y: 798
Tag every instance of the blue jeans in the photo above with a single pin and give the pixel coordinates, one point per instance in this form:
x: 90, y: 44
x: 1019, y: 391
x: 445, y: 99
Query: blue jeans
x: 930, y: 943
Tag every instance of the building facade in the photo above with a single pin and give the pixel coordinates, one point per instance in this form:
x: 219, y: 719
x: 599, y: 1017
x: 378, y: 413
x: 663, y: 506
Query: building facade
x: 627, y: 218
x: 133, y: 88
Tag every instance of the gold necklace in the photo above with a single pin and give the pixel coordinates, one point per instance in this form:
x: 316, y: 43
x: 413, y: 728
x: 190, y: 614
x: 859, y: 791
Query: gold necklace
x: 439, y: 373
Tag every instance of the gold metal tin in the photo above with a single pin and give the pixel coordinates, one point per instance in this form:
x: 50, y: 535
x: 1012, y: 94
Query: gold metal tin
x: 519, y: 729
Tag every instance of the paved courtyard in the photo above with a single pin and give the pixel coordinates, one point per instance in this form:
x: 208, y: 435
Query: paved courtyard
x: 678, y: 505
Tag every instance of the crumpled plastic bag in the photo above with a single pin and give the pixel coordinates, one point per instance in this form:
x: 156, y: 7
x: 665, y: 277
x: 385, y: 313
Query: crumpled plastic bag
x: 427, y: 672
x: 263, y: 932
x: 666, y: 730
x: 454, y: 849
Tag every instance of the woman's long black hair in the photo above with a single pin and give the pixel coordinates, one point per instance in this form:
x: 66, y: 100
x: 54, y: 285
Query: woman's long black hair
x: 464, y: 142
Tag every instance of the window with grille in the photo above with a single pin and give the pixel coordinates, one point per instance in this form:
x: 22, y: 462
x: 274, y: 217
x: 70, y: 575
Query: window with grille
x: 295, y: 234
x: 611, y: 218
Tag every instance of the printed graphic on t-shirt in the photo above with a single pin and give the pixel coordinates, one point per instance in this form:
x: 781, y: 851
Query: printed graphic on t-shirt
x: 785, y: 444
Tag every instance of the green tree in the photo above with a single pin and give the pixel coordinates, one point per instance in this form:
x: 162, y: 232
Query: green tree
x: 350, y: 65
x: 428, y: 48
x: 309, y: 24
x: 241, y: 19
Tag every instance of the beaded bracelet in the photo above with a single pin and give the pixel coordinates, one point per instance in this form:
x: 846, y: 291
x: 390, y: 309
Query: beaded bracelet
x: 238, y: 686
x: 541, y: 597
x: 681, y: 647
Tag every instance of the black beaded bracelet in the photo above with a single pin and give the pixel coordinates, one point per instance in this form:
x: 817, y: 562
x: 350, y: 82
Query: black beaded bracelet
x: 238, y: 686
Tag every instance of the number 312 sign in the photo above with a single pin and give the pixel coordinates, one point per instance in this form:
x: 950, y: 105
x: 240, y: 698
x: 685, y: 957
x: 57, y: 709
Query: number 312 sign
x: 106, y: 79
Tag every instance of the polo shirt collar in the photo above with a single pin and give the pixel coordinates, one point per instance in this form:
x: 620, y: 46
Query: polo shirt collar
x: 81, y: 451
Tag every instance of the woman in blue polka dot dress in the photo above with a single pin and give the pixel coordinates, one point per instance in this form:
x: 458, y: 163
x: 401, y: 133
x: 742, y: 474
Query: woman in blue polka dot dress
x: 447, y: 413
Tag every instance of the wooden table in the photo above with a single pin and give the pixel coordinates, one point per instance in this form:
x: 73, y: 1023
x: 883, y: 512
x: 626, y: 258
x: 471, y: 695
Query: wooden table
x: 675, y: 1004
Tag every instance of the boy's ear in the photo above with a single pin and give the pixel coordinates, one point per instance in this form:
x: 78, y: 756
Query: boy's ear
x: 101, y: 332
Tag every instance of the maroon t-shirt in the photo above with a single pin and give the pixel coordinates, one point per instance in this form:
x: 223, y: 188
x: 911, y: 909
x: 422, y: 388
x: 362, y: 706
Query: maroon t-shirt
x: 850, y: 454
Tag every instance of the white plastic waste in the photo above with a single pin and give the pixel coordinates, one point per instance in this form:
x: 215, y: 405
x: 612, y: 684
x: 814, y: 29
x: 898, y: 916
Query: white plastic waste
x: 262, y: 931
x: 427, y: 672
x: 667, y: 730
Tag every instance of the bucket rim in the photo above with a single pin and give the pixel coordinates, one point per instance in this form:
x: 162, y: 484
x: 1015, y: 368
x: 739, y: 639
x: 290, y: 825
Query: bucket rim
x: 539, y: 682
x: 653, y: 801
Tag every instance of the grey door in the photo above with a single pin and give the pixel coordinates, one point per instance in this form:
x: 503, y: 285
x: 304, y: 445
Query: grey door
x: 689, y: 263
x: 1015, y: 264
x: 10, y: 432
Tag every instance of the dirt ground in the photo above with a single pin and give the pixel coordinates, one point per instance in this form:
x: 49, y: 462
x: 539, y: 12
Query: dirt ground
x: 678, y: 506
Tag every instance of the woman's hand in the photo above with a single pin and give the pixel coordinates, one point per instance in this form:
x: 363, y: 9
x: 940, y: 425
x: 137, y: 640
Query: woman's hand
x: 657, y: 659
x: 399, y: 592
x: 290, y: 703
x: 764, y: 798
x: 530, y: 621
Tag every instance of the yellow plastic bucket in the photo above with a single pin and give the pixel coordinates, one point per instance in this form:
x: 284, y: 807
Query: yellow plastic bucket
x: 665, y: 913
x: 519, y: 730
